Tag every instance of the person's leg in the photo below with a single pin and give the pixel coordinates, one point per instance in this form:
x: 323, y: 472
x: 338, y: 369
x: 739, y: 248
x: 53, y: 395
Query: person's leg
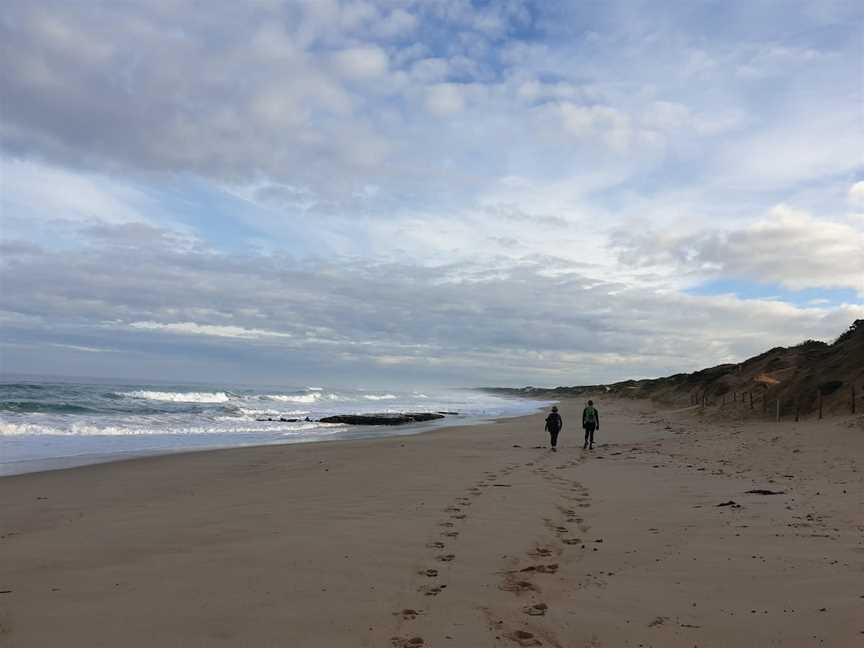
x: 585, y: 445
x: 553, y: 436
x: 591, y: 443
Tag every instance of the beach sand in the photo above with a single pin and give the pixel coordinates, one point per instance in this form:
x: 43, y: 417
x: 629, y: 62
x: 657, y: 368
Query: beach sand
x: 328, y: 544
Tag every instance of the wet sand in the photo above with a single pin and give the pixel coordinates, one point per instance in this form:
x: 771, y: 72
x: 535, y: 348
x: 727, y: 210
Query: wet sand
x: 463, y: 537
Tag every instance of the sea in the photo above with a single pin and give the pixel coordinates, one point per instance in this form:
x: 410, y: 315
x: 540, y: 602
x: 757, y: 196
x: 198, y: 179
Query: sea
x: 57, y: 423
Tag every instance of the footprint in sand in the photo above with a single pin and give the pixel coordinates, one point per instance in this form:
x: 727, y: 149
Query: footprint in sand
x: 538, y: 609
x: 431, y: 590
x: 451, y: 534
x: 408, y: 614
x: 542, y: 552
x: 446, y: 524
x: 435, y: 545
x: 413, y: 642
x: 430, y: 573
x: 452, y: 509
x: 458, y: 516
x: 542, y: 569
x: 445, y: 557
x: 525, y: 638
x: 518, y: 586
x: 572, y: 541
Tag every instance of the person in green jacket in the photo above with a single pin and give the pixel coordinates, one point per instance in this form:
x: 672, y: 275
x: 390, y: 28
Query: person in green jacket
x: 591, y: 422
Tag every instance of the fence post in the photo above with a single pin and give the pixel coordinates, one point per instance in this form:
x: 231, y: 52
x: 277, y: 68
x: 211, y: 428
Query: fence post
x: 797, y: 410
x: 765, y: 399
x: 778, y: 410
x: 853, y: 398
x: 820, y: 404
x: 751, y: 399
x: 703, y: 400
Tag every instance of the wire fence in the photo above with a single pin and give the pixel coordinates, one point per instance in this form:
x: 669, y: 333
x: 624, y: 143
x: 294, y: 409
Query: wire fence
x: 771, y: 402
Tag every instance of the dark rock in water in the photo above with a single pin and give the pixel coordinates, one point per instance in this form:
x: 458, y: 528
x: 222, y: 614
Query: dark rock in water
x: 381, y: 419
x: 280, y: 420
x: 450, y: 413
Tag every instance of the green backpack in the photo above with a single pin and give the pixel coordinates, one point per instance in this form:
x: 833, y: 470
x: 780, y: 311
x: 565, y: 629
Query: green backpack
x: 590, y: 415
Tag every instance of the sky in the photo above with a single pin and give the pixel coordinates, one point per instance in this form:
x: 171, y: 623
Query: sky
x: 445, y: 192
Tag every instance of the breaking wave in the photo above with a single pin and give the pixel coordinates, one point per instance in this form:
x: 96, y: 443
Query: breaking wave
x: 180, y: 397
x: 303, y: 398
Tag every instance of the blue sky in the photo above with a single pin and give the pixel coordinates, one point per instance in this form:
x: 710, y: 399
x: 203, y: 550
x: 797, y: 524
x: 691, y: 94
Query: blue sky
x: 431, y: 193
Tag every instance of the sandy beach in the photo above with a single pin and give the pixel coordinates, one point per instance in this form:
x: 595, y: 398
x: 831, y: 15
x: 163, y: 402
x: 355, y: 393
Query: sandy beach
x: 462, y: 537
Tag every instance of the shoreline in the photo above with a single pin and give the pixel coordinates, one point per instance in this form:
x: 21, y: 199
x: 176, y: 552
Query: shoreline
x: 459, y: 538
x: 352, y: 433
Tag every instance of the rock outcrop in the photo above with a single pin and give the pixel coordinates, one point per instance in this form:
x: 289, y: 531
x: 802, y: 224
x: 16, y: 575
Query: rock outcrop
x: 381, y: 419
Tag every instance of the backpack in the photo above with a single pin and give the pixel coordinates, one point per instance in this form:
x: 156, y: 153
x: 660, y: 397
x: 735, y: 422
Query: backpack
x: 590, y: 415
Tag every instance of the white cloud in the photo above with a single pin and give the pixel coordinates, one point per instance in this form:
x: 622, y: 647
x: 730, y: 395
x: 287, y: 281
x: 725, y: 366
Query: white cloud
x: 789, y: 247
x: 445, y: 99
x: 856, y: 193
x: 398, y: 22
x: 53, y: 193
x: 359, y: 63
x: 211, y: 330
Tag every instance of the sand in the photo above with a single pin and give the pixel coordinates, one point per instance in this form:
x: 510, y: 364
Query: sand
x: 329, y: 544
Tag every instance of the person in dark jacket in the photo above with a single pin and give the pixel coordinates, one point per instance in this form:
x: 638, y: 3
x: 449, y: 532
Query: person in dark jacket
x: 554, y: 423
x: 591, y: 422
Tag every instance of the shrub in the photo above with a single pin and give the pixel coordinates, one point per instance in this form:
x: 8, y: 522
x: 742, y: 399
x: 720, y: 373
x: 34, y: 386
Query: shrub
x: 829, y: 387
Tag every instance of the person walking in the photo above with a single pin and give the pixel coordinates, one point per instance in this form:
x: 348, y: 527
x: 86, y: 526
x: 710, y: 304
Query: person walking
x: 554, y: 423
x: 591, y: 422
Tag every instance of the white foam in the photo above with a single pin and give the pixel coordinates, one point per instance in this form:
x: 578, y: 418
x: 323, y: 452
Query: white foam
x: 251, y: 411
x: 376, y: 398
x: 85, y: 430
x: 180, y: 397
x: 304, y: 398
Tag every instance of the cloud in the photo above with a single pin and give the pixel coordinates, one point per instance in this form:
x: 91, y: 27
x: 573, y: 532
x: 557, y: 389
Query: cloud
x: 192, y: 328
x: 32, y: 189
x: 361, y: 63
x: 461, y: 188
x: 495, y: 323
x: 445, y: 99
x: 856, y: 193
x: 788, y: 247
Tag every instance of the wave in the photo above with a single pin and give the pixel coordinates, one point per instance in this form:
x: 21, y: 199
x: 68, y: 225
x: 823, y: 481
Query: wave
x: 305, y: 398
x: 253, y: 411
x: 25, y: 386
x: 81, y: 429
x: 179, y: 397
x: 384, y: 397
x: 29, y: 407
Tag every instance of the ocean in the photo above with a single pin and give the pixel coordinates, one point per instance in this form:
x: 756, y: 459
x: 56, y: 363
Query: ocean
x: 47, y: 424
